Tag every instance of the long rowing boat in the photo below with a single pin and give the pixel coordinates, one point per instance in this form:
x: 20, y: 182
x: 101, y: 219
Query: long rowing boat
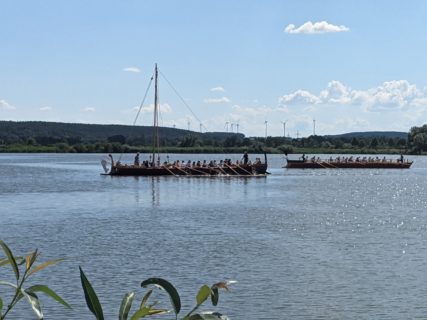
x: 155, y: 167
x: 168, y: 169
x: 348, y: 164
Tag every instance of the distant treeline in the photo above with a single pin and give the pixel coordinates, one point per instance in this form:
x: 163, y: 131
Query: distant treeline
x: 35, y: 136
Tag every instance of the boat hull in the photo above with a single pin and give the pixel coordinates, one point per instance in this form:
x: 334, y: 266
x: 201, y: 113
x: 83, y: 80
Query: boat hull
x: 300, y: 164
x: 232, y: 170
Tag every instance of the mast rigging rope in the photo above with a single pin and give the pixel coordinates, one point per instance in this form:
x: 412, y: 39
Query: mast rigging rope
x: 182, y: 99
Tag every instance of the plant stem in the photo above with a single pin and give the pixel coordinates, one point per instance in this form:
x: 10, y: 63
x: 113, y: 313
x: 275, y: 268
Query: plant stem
x: 192, y: 310
x: 17, y: 292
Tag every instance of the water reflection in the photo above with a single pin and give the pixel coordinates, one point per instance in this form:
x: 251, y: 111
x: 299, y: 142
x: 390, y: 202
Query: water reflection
x: 155, y: 191
x: 353, y: 239
x: 177, y: 191
x: 145, y: 188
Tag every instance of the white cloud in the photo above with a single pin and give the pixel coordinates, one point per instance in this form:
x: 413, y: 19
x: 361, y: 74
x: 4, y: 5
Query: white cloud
x: 132, y: 69
x: 337, y: 108
x: 46, y: 108
x: 89, y: 109
x: 391, y: 95
x: 315, y: 28
x: 217, y: 100
x: 5, y: 105
x: 336, y: 93
x: 395, y: 94
x: 420, y: 102
x: 299, y: 97
x: 218, y: 89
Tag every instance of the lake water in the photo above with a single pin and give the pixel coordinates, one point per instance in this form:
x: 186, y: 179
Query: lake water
x: 302, y: 244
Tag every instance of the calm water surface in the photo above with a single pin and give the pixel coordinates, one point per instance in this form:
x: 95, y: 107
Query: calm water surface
x: 302, y: 244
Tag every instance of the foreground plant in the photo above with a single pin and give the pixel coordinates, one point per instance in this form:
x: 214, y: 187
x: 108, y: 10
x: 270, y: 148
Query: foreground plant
x: 146, y: 309
x: 23, y: 268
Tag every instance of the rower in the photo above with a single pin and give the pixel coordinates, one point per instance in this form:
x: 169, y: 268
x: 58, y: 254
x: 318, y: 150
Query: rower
x: 136, y: 161
x: 245, y: 158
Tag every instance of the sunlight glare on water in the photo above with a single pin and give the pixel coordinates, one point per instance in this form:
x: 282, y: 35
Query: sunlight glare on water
x: 302, y: 244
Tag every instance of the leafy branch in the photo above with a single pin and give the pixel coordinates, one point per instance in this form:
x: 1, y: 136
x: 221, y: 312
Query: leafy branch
x: 146, y: 309
x: 28, y: 264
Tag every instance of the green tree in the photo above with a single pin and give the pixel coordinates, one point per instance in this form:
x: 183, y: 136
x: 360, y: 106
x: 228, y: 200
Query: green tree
x: 31, y: 141
x: 420, y: 142
x: 374, y: 143
x: 117, y: 138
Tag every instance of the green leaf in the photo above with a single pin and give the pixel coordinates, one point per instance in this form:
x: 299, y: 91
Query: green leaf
x: 126, y: 305
x: 34, y: 302
x: 19, y: 261
x: 1, y: 305
x: 215, y: 290
x: 215, y: 295
x: 141, y: 313
x: 5, y: 283
x: 11, y: 259
x: 147, y: 311
x: 30, y: 259
x: 46, y: 290
x: 145, y: 298
x: 4, y: 262
x: 203, y: 294
x: 91, y: 297
x: 44, y: 265
x: 169, y: 288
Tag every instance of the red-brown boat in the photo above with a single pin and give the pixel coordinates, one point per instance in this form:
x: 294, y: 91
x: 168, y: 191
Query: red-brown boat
x: 168, y: 169
x: 155, y: 167
x: 346, y: 163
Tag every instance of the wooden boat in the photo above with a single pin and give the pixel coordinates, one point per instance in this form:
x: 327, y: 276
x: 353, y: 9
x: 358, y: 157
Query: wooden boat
x: 155, y: 167
x: 348, y: 164
x: 168, y: 169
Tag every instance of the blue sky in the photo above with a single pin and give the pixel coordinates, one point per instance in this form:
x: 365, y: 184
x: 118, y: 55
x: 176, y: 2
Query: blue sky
x: 348, y: 65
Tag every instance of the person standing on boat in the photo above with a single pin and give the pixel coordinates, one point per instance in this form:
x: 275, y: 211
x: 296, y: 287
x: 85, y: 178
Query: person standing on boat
x: 245, y: 158
x: 136, y: 161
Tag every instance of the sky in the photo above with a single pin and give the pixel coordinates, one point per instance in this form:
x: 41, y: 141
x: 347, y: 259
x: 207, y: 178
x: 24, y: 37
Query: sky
x: 260, y: 68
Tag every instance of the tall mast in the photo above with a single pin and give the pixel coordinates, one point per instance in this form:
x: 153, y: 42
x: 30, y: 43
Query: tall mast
x: 156, y: 119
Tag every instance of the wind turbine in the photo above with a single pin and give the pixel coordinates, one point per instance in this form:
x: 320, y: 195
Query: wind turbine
x: 237, y: 125
x: 284, y: 128
x: 314, y: 127
x: 188, y: 124
x: 266, y: 122
x: 226, y: 125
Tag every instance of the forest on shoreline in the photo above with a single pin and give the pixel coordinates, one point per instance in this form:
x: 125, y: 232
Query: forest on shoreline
x: 56, y: 137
